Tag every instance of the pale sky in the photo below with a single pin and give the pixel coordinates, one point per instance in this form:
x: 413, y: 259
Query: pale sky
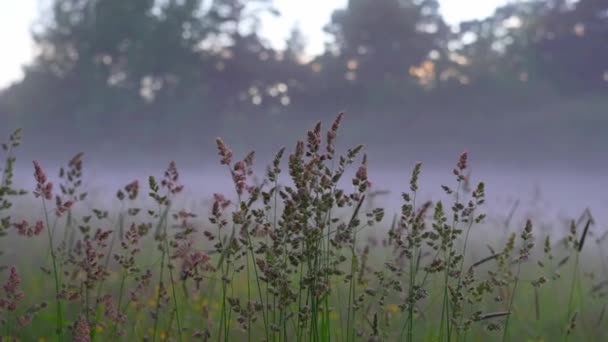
x: 17, y: 17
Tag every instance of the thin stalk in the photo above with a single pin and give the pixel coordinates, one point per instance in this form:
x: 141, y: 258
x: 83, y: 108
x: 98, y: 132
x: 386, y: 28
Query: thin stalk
x: 106, y: 264
x: 508, y: 319
x: 248, y: 299
x: 120, y: 295
x: 300, y: 329
x: 162, y: 273
x: 257, y: 278
x: 413, y: 269
x: 571, y: 296
x: 464, y: 254
x: 352, y: 287
x: 56, y: 275
x: 445, y: 309
x: 174, y: 293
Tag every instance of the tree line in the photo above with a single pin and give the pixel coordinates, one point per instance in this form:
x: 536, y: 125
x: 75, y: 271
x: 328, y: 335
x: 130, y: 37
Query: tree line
x: 119, y: 64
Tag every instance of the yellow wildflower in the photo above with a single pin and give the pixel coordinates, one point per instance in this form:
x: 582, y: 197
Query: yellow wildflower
x: 393, y: 308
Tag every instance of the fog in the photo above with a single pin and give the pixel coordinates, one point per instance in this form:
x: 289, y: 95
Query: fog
x: 548, y: 192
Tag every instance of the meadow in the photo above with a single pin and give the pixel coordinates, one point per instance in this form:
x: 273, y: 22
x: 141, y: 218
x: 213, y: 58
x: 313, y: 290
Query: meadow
x: 310, y: 259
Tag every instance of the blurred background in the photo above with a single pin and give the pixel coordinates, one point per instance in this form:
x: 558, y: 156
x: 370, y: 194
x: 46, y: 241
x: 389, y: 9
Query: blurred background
x: 521, y: 85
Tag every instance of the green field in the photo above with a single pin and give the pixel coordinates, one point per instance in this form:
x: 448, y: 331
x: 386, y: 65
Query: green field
x: 305, y: 261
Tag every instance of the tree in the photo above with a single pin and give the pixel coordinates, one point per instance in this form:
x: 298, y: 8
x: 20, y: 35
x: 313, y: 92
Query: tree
x: 497, y: 49
x: 121, y: 44
x: 295, y: 45
x: 104, y: 63
x: 571, y: 48
x: 379, y: 40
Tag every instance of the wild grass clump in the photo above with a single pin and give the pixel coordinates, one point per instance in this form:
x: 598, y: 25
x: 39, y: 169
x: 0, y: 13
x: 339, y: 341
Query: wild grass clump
x: 301, y: 260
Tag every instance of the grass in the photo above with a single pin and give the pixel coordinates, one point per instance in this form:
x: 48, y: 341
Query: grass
x: 310, y: 260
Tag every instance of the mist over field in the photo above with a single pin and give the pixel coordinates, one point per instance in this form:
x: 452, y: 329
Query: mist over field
x: 372, y: 225
x: 556, y: 185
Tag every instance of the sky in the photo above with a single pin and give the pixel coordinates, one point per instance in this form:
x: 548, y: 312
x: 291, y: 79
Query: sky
x: 18, y: 16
